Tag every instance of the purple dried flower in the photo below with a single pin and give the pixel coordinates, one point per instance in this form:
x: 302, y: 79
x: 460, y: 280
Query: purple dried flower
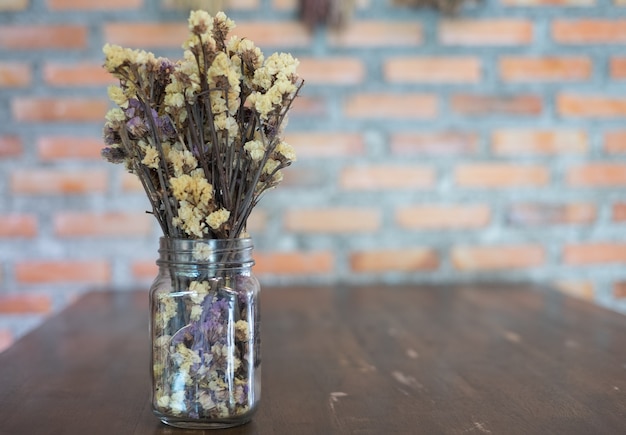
x: 166, y: 127
x: 113, y: 154
x: 111, y: 136
x: 134, y: 103
x: 166, y: 66
x: 137, y: 127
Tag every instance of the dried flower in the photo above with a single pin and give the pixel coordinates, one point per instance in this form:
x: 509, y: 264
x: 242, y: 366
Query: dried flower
x: 203, y: 133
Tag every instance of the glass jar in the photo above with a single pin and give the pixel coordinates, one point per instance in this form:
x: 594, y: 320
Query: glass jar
x: 204, y: 326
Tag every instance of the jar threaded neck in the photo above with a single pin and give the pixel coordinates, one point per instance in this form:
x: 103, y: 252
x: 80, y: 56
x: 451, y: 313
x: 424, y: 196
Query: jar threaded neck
x: 220, y: 253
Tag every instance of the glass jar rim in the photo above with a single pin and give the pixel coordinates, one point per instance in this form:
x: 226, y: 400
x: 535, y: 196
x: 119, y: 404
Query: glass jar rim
x: 225, y: 252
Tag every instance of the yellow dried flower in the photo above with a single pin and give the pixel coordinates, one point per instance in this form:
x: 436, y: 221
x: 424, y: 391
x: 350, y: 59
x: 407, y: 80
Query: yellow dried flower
x: 256, y: 149
x: 200, y: 21
x: 262, y: 78
x: 183, y: 161
x: 194, y: 189
x: 164, y: 400
x: 190, y: 219
x: 115, y: 56
x: 217, y: 218
x: 151, y: 158
x: 115, y: 114
x: 227, y: 123
x: 270, y: 166
x: 287, y: 151
x: 277, y: 178
x: 199, y: 289
x: 263, y: 105
x: 223, y: 22
x: 242, y: 330
x: 175, y: 99
x: 177, y: 402
x: 117, y: 95
x: 250, y: 54
x: 283, y: 63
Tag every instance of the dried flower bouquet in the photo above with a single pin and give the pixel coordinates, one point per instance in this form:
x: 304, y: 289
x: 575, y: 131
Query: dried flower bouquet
x: 203, y: 135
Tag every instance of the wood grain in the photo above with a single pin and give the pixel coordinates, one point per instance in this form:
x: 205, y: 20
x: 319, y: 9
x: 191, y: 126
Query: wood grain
x: 500, y: 359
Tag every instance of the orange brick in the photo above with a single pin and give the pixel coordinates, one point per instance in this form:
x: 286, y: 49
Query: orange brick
x: 257, y: 222
x: 6, y: 337
x: 332, y: 71
x: 381, y: 177
x: 394, y: 260
x: 619, y: 290
x: 405, y: 106
x: 512, y: 142
x: 312, y: 107
x: 18, y: 225
x: 495, y: 105
x: 377, y: 34
x: 304, y: 177
x: 172, y: 35
x: 10, y: 146
x: 59, y: 110
x: 525, y: 69
x: 618, y: 213
x: 494, y: 32
x: 61, y: 182
x: 41, y: 37
x: 333, y: 220
x: 615, y: 142
x: 78, y: 74
x: 294, y: 4
x: 433, y: 70
x: 13, y: 6
x: 285, y: 4
x: 549, y: 3
x: 294, y: 263
x: 592, y: 106
x: 63, y: 5
x: 144, y: 270
x: 578, y: 289
x: 326, y: 144
x: 145, y: 35
x: 51, y: 148
x: 77, y: 224
x: 130, y: 183
x: 443, y: 216
x: 232, y: 4
x: 594, y: 253
x: 63, y: 271
x: 599, y: 174
x: 589, y: 31
x: 25, y: 303
x: 536, y: 213
x: 275, y: 34
x: 501, y: 175
x: 14, y: 75
x: 434, y: 143
x: 617, y: 68
x: 477, y: 258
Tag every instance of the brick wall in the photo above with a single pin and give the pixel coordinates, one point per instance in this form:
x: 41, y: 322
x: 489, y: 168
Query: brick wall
x: 491, y: 146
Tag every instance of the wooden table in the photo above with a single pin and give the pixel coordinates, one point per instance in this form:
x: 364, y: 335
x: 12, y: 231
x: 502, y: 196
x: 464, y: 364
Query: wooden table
x: 346, y: 360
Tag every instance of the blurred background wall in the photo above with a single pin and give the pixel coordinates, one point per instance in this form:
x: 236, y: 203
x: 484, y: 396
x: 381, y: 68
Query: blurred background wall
x: 489, y: 146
